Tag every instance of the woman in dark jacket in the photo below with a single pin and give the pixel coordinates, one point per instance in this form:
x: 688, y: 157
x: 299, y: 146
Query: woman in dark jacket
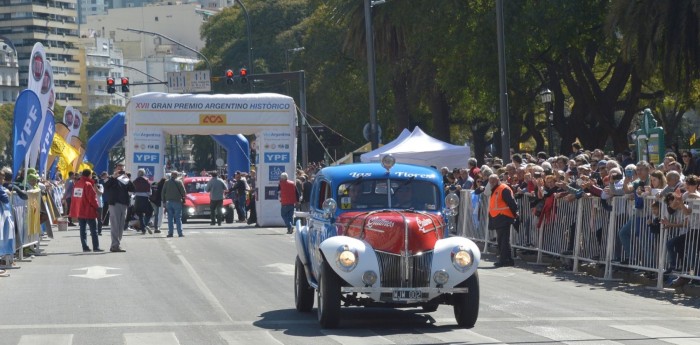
x: 688, y: 163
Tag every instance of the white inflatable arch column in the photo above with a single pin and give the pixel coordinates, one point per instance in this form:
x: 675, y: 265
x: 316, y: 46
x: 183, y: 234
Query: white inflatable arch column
x: 271, y: 117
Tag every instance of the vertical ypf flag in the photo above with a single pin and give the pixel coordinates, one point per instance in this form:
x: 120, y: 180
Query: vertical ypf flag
x: 46, y: 141
x: 27, y: 117
x: 41, y: 82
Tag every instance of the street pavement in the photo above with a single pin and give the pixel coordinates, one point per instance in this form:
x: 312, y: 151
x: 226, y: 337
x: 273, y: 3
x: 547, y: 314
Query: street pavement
x: 234, y: 285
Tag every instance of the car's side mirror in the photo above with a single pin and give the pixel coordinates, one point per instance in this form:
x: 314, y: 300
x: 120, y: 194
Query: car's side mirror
x: 329, y: 207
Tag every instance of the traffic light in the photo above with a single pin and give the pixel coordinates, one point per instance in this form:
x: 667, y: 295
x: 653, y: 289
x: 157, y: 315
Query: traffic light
x: 125, y: 85
x: 229, y: 77
x: 110, y: 85
x: 244, y: 75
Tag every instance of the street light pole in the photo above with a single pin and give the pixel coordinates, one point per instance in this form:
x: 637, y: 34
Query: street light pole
x: 137, y: 70
x: 171, y: 40
x: 502, y: 87
x: 250, y: 38
x: 371, y: 71
x: 546, y: 98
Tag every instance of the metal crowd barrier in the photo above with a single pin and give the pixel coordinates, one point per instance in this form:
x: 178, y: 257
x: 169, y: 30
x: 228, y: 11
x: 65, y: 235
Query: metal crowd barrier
x: 617, y: 232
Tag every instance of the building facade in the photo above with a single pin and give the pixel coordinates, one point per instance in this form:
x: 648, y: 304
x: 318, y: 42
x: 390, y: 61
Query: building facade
x: 9, y: 72
x: 102, y: 60
x: 54, y: 24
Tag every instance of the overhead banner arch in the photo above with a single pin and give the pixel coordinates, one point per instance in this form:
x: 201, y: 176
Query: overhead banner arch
x: 270, y: 117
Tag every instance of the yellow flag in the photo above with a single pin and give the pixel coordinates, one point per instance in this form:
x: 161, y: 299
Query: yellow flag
x: 692, y: 139
x: 61, y: 148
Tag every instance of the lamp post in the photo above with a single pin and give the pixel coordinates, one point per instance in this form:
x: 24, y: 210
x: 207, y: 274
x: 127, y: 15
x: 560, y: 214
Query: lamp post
x: 371, y: 71
x: 546, y: 98
x: 250, y: 38
x: 171, y: 40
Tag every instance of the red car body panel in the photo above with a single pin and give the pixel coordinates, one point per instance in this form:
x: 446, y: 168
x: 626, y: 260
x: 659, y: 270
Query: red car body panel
x: 199, y: 198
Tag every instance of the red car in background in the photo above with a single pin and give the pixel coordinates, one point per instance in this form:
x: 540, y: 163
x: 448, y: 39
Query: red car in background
x: 197, y: 201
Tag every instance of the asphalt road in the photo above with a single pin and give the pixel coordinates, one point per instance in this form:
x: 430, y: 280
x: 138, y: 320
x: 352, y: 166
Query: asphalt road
x: 234, y: 285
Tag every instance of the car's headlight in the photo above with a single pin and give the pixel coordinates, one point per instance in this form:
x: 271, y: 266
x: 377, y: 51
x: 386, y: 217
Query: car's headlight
x: 462, y: 258
x: 190, y: 210
x: 346, y: 258
x: 223, y: 210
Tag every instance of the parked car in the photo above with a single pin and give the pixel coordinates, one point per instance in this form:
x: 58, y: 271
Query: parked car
x: 377, y: 235
x: 197, y: 201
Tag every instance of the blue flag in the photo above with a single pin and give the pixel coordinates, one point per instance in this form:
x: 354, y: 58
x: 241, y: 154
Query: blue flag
x: 27, y: 117
x: 46, y: 140
x: 52, y: 169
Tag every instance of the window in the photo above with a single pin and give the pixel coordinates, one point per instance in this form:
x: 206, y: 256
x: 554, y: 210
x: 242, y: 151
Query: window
x: 372, y: 194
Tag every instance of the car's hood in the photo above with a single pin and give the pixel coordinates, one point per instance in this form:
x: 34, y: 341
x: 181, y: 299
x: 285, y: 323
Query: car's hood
x: 392, y: 231
x: 196, y: 199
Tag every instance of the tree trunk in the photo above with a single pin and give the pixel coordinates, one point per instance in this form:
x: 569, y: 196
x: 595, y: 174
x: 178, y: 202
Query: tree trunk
x: 441, y: 114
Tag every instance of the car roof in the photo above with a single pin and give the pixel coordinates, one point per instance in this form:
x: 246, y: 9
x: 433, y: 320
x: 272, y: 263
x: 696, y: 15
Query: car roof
x: 346, y: 172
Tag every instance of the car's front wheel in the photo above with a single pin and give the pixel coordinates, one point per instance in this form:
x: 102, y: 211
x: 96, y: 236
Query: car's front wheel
x: 328, y: 296
x: 466, y: 305
x: 303, y: 293
x: 229, y: 214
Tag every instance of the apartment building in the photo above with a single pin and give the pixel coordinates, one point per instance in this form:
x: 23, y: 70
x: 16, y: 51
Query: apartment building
x: 54, y: 24
x: 9, y: 71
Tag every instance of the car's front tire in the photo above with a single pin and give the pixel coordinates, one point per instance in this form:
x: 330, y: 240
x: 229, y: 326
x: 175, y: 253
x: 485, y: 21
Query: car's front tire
x: 229, y: 215
x: 303, y: 293
x: 466, y: 305
x: 328, y: 296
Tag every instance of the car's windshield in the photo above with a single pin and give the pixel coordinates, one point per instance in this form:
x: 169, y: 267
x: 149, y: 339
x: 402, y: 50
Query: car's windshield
x: 372, y: 194
x: 195, y: 187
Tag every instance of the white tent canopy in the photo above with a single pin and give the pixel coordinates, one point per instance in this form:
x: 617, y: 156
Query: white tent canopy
x: 421, y: 149
x: 368, y: 157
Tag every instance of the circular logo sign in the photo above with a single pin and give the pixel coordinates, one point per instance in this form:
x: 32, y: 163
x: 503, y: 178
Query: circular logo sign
x: 37, y: 66
x: 46, y: 83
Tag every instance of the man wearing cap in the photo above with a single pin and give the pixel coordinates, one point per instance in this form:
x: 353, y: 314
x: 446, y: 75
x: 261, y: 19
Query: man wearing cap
x: 84, y: 207
x: 216, y: 188
x: 241, y: 188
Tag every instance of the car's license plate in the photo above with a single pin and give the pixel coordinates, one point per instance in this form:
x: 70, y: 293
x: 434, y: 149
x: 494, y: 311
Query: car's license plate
x: 406, y: 295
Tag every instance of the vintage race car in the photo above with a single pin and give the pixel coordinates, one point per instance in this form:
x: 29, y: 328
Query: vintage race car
x: 197, y: 201
x: 376, y: 235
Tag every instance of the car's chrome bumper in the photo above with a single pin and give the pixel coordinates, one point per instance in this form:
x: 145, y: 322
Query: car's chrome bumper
x: 429, y: 290
x: 403, y: 295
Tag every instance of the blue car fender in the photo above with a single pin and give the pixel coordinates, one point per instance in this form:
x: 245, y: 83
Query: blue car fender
x: 442, y: 260
x: 365, y: 258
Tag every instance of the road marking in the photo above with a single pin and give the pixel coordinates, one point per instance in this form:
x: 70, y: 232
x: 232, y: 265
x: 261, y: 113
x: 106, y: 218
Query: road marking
x: 95, y: 272
x: 166, y: 338
x: 46, y: 339
x: 661, y: 333
x: 568, y: 335
x: 460, y: 336
x: 249, y: 337
x: 204, y: 289
x: 356, y: 337
x: 283, y: 269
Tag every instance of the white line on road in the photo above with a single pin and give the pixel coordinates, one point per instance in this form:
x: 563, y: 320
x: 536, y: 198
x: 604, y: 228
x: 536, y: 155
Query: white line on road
x: 204, y: 289
x: 661, y: 333
x: 356, y: 337
x: 249, y: 337
x: 168, y: 338
x: 460, y: 336
x: 46, y: 339
x: 568, y: 335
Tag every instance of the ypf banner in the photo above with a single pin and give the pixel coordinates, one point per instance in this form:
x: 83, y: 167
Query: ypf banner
x: 27, y: 117
x: 46, y: 139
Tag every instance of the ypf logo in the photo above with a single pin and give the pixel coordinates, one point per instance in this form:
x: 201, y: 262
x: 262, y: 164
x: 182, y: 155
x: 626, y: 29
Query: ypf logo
x: 211, y: 120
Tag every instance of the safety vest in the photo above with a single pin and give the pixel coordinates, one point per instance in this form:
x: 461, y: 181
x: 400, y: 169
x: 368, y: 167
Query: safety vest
x: 497, y: 206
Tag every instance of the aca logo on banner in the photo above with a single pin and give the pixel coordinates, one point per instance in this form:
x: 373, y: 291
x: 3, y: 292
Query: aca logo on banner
x: 275, y: 172
x: 212, y: 119
x: 276, y: 157
x: 146, y: 157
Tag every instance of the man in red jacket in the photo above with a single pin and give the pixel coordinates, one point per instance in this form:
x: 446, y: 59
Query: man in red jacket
x: 288, y: 196
x: 84, y: 207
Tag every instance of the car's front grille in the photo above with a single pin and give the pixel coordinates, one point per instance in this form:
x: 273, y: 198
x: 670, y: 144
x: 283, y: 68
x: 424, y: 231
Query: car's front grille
x: 392, y: 270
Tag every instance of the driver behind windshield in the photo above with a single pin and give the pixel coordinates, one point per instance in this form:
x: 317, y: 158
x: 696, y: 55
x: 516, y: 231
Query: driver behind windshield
x: 353, y: 198
x: 403, y: 197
